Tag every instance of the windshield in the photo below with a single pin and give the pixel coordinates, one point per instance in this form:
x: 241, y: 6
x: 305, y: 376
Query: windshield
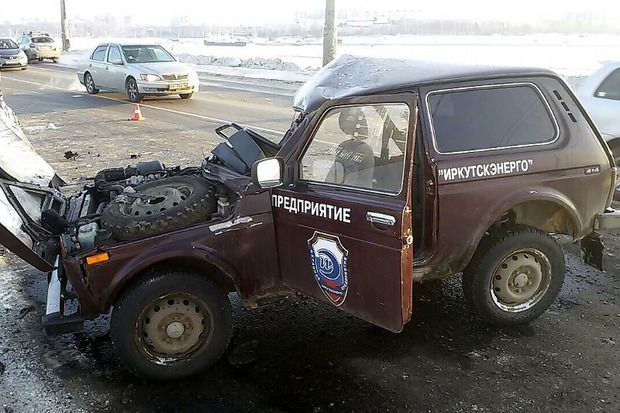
x: 7, y: 44
x: 146, y: 54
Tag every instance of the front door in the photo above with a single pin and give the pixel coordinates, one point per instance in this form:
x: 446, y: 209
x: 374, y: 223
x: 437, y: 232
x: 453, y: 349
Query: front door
x: 344, y: 229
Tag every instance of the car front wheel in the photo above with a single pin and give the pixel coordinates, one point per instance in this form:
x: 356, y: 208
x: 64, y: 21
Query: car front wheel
x: 171, y: 324
x: 132, y: 91
x: 514, y: 276
x: 186, y: 95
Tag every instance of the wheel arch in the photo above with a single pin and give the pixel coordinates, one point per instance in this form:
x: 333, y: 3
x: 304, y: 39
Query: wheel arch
x: 201, y: 261
x: 546, y: 210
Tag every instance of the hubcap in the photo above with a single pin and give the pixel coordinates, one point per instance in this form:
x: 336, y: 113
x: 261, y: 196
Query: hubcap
x: 174, y: 325
x: 520, y: 280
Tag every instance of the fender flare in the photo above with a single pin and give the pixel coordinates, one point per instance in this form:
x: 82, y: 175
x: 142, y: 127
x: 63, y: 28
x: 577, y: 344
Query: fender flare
x: 522, y: 197
x: 152, y: 257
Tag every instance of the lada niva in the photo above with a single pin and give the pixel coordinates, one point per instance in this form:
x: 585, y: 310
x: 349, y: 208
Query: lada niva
x: 392, y: 172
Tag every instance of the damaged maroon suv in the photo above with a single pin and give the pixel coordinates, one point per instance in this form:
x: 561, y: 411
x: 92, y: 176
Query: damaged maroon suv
x: 391, y: 173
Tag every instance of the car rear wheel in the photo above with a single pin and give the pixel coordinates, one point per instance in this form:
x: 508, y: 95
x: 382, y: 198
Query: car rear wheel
x: 514, y: 276
x: 89, y: 82
x: 186, y: 95
x: 132, y: 91
x: 171, y: 324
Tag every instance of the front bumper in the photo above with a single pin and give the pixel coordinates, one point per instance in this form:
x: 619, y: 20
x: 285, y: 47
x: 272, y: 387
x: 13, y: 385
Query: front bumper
x: 13, y: 61
x: 167, y: 88
x: 55, y: 321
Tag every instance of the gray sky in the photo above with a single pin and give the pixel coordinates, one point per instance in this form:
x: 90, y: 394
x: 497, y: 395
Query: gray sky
x: 248, y: 12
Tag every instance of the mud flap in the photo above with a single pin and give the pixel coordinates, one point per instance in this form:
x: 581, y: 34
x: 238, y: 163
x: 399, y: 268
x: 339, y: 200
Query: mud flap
x: 592, y: 250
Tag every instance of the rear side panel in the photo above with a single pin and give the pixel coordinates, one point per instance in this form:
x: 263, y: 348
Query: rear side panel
x: 475, y: 188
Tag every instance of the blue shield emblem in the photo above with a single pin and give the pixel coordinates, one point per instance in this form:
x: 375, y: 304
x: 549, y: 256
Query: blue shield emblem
x: 329, y: 265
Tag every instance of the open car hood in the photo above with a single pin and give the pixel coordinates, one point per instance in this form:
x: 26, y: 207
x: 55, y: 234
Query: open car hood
x: 25, y: 188
x: 18, y: 159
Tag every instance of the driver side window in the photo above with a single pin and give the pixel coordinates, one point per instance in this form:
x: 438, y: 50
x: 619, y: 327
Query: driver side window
x: 359, y: 146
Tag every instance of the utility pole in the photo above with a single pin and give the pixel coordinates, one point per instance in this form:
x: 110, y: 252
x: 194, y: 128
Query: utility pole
x: 64, y: 27
x: 329, y: 33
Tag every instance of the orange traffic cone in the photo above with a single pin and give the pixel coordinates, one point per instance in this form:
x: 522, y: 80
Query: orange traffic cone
x: 137, y: 114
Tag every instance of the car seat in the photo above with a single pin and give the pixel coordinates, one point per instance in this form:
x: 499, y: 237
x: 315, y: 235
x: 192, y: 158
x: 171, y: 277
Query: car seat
x: 354, y: 161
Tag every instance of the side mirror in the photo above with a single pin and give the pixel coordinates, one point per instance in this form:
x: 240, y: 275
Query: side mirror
x: 267, y: 173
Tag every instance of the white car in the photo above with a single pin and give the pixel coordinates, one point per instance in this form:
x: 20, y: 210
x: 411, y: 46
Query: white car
x: 600, y: 95
x: 137, y: 70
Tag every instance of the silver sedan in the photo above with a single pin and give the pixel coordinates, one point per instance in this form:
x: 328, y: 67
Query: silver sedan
x: 137, y: 70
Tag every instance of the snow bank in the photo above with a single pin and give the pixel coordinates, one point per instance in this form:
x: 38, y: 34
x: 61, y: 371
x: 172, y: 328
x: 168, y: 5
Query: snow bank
x: 252, y: 63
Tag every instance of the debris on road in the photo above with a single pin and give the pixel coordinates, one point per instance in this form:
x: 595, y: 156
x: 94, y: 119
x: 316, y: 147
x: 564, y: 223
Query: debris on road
x: 71, y: 155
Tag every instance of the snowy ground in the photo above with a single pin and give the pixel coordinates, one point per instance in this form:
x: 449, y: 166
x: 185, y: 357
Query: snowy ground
x: 570, y: 55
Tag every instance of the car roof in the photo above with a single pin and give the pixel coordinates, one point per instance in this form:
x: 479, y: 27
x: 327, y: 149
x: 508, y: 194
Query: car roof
x: 349, y: 76
x: 129, y: 43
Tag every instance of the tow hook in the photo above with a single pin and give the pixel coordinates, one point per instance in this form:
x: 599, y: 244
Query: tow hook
x: 592, y: 250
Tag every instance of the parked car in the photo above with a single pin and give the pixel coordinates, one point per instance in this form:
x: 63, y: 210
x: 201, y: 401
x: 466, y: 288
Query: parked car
x: 11, y: 56
x: 391, y: 173
x: 600, y: 95
x: 39, y: 46
x: 137, y: 70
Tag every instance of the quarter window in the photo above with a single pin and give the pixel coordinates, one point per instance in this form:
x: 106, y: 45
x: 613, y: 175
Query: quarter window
x: 490, y: 118
x: 359, y: 146
x: 99, y: 53
x: 610, y: 88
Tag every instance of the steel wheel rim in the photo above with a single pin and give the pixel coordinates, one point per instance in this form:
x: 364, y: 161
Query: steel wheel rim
x: 157, y: 201
x: 132, y: 89
x: 173, y: 327
x: 520, y: 280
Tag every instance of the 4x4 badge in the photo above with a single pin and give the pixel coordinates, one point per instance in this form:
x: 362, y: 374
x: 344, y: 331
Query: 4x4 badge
x: 329, y: 265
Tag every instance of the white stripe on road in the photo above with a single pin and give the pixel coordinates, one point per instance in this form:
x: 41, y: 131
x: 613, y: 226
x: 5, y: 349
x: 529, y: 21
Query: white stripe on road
x: 177, y: 112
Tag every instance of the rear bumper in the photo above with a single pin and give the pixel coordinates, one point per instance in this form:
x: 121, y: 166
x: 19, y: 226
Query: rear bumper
x: 44, y: 54
x: 55, y: 321
x: 610, y: 219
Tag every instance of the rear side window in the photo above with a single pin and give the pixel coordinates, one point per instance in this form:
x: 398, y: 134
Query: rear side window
x: 610, y: 88
x: 489, y: 118
x: 99, y: 53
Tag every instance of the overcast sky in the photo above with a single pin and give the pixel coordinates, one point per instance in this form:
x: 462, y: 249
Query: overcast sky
x: 248, y: 12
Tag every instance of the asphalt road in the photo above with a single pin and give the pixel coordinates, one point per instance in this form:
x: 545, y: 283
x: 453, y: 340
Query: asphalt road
x: 309, y: 356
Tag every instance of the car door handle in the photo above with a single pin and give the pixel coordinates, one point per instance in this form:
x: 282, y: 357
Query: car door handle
x: 379, y: 218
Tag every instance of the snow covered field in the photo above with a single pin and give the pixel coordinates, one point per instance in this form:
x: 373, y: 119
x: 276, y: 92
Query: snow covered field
x: 570, y: 55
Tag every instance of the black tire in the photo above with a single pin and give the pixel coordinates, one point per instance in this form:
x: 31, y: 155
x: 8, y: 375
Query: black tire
x: 186, y: 95
x: 131, y: 89
x: 54, y: 61
x: 514, y: 276
x: 89, y: 83
x: 170, y: 324
x: 25, y: 67
x: 176, y: 202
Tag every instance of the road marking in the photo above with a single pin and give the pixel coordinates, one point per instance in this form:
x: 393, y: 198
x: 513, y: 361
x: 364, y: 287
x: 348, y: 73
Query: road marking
x: 177, y: 112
